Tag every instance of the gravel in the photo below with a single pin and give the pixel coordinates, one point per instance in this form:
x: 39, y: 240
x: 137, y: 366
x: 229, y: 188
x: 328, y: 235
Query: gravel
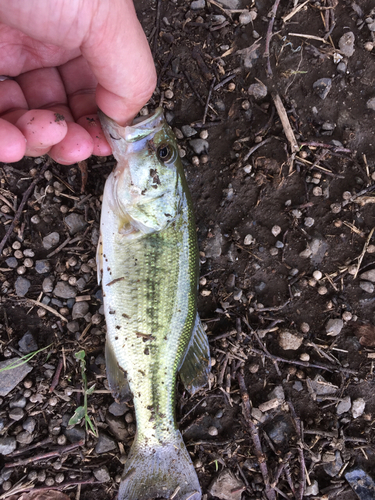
x: 102, y: 475
x: 27, y: 343
x: 7, y: 445
x: 64, y: 290
x: 258, y: 91
x: 334, y: 327
x: 289, y: 341
x: 42, y: 266
x: 105, y: 444
x: 9, y: 379
x: 322, y: 87
x: 22, y: 286
x: 358, y: 407
x: 51, y: 240
x: 199, y: 146
x: 346, y: 44
x: 75, y: 223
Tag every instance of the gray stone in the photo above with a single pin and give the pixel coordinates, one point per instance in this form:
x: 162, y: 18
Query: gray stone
x: 197, y: 4
x: 358, y: 407
x: 361, y: 483
x: 279, y: 430
x: 80, y: 309
x: 73, y: 326
x: 105, y: 444
x: 344, y: 406
x: 51, y: 240
x: 346, y: 44
x: 42, y: 266
x: 102, y: 474
x: 16, y: 414
x: 370, y: 104
x: 10, y: 378
x: 81, y: 284
x: 27, y: 343
x: 322, y: 87
x: 11, y: 262
x: 117, y: 427
x: 230, y: 4
x: 226, y: 486
x: 118, y: 409
x: 258, y: 91
x: 334, y: 467
x: 199, y: 146
x: 368, y: 275
x: 289, y: 341
x: 277, y: 392
x: 64, y: 290
x: 75, y: 223
x: 22, y: 286
x: 29, y: 424
x: 7, y: 445
x: 367, y: 286
x: 75, y: 434
x: 334, y: 327
x: 213, y: 245
x: 188, y: 131
x: 341, y: 67
x: 47, y: 285
x: 18, y: 401
x: 320, y: 386
x: 24, y: 437
x: 313, y: 489
x: 298, y: 386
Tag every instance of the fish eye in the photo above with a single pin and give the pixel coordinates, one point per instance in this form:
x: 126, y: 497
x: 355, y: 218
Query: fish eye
x: 165, y: 152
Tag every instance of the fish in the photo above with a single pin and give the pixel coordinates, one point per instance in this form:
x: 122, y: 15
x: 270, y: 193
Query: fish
x: 148, y: 265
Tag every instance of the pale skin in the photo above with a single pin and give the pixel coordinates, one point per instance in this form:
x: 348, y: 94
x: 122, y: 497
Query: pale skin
x: 67, y: 58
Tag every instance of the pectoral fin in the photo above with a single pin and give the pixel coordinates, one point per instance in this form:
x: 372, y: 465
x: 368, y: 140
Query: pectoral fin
x: 117, y: 381
x: 196, y: 365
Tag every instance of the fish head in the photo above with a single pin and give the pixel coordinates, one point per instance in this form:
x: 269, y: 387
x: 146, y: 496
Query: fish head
x: 146, y: 185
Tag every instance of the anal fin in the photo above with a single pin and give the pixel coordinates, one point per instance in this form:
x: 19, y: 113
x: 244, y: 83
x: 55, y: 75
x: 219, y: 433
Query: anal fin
x: 196, y: 365
x: 117, y: 380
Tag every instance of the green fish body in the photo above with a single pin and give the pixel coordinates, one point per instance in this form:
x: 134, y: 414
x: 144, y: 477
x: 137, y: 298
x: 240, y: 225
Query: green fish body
x: 148, y: 264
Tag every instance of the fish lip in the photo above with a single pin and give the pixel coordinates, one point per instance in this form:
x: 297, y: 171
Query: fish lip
x: 144, y: 126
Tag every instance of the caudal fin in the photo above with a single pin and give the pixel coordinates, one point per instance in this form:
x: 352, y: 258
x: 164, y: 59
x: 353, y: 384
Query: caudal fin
x: 159, y: 471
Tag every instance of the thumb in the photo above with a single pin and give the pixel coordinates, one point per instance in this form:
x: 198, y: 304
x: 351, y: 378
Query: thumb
x: 118, y: 53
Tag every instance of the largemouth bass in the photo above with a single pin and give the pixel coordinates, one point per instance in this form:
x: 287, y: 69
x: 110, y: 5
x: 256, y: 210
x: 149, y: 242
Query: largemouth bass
x: 148, y: 265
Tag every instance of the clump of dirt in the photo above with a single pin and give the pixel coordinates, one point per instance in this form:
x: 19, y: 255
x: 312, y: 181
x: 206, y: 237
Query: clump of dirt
x: 273, y: 106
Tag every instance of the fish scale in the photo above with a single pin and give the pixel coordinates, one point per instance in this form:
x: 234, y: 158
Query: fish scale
x: 148, y: 265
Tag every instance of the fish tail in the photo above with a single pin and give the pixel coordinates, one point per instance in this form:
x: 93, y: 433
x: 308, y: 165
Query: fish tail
x: 164, y: 470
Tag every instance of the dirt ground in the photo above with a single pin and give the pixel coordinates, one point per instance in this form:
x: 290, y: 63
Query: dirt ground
x: 285, y: 218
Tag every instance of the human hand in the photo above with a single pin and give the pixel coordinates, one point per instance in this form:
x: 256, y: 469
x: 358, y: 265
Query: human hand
x: 67, y: 57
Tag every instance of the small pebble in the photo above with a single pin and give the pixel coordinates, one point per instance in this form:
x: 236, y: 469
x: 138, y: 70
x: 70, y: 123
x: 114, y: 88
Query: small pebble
x: 274, y: 251
x: 368, y: 46
x: 305, y: 254
x: 59, y: 478
x: 289, y: 341
x: 212, y: 431
x: 344, y: 406
x: 247, y: 17
x: 276, y: 230
x: 49, y: 481
x: 367, y: 286
x: 309, y: 222
x: 248, y: 240
x: 358, y: 407
x: 334, y: 327
x: 322, y: 87
x: 258, y: 91
x: 317, y: 275
x: 304, y: 357
x: 322, y: 290
x: 347, y: 316
x: 195, y: 161
x: 305, y: 327
x: 346, y: 44
x: 336, y: 208
x: 317, y: 191
x: 7, y: 485
x: 168, y: 94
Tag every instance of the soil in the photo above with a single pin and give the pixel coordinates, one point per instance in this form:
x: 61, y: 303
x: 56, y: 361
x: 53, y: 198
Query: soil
x: 285, y: 236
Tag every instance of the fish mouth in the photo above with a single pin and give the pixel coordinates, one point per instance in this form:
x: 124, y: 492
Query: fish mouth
x: 144, y: 126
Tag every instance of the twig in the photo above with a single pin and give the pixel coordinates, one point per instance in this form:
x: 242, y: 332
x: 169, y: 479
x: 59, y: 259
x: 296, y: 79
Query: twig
x: 157, y: 28
x: 226, y: 80
x: 306, y: 364
x: 298, y: 427
x: 311, y: 37
x: 270, y: 492
x: 67, y: 484
x: 254, y: 148
x: 25, y: 197
x: 294, y: 11
x: 48, y: 308
x: 272, y: 16
x: 193, y: 88
x: 208, y: 100
x: 56, y: 377
x: 31, y: 447
x: 363, y: 252
x: 285, y: 122
x: 43, y: 456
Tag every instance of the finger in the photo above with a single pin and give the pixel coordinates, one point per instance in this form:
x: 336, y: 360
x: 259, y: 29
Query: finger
x: 92, y: 125
x: 11, y: 97
x: 12, y: 143
x: 42, y: 129
x: 77, y: 145
x: 119, y: 56
x: 80, y: 85
x: 42, y: 88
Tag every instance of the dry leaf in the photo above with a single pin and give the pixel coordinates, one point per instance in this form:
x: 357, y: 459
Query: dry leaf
x: 365, y: 334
